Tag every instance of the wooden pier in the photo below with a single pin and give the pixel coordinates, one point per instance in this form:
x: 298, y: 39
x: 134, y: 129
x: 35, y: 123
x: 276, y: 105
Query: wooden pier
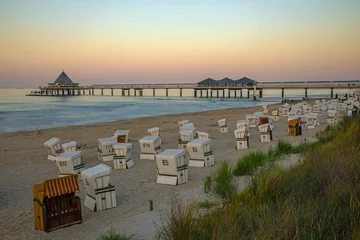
x: 208, y: 88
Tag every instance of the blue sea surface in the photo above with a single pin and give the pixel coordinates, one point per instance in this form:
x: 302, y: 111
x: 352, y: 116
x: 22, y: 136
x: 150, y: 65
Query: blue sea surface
x: 21, y: 113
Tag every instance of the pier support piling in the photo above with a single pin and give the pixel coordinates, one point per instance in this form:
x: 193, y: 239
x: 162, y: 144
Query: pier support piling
x: 180, y: 92
x: 112, y: 92
x: 282, y: 92
x: 102, y: 92
x: 332, y: 92
x: 153, y: 92
x: 217, y: 93
x: 254, y: 91
x: 195, y: 93
x: 306, y: 93
x: 260, y: 93
x: 167, y: 92
x: 248, y: 96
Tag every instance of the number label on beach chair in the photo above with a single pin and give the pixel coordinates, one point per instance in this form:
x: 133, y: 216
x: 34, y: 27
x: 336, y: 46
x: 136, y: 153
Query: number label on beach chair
x: 165, y: 162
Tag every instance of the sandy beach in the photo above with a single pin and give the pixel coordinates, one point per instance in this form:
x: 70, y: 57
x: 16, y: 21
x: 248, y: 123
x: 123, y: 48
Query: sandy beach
x: 23, y: 162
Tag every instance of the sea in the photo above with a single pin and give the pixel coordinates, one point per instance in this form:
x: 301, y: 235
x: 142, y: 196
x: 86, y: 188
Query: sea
x: 24, y: 113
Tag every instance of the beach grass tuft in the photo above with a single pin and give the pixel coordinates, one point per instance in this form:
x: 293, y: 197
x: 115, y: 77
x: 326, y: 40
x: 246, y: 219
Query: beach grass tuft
x: 248, y: 164
x: 112, y: 234
x: 221, y: 183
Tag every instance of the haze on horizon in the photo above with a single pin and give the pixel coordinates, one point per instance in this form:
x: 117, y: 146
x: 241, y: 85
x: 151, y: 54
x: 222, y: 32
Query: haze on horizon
x: 148, y: 41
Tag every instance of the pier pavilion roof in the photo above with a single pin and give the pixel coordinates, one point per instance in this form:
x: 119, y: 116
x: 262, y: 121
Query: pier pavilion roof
x: 246, y: 80
x: 226, y: 80
x: 63, y: 79
x: 208, y: 81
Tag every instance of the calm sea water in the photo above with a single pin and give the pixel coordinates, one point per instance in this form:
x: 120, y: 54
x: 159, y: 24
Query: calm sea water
x: 21, y: 113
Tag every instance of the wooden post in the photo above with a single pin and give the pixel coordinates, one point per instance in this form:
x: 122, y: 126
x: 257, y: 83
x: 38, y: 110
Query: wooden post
x: 102, y: 92
x: 112, y: 92
x: 151, y: 205
x: 180, y: 92
x: 332, y: 92
x: 306, y: 92
x: 282, y: 92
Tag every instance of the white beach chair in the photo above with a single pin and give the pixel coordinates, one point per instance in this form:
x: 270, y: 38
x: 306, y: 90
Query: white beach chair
x: 242, y: 138
x: 265, y: 109
x: 172, y: 167
x: 122, y: 136
x: 186, y: 136
x: 181, y: 123
x: 200, y: 154
x: 265, y: 132
x: 105, y: 149
x: 69, y: 163
x: 123, y: 156
x: 223, y: 126
x: 155, y: 131
x: 252, y: 120
x: 53, y: 148
x: 202, y: 135
x: 149, y: 146
x: 69, y: 146
x: 100, y: 194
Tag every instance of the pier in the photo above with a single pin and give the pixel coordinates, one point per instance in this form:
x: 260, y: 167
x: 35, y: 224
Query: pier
x: 208, y: 88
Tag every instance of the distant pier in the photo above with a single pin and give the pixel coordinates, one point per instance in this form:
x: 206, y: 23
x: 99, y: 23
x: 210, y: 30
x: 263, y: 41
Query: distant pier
x: 208, y: 88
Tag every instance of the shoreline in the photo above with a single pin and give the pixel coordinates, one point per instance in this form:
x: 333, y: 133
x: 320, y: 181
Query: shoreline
x: 118, y: 121
x: 23, y: 163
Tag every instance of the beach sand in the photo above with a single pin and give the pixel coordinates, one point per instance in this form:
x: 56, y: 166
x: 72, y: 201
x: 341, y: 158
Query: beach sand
x: 23, y: 162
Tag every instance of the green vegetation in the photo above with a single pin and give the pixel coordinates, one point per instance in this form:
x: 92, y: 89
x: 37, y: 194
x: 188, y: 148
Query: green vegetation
x: 248, y: 164
x: 317, y: 199
x: 181, y: 223
x: 221, y: 183
x: 113, y: 235
x: 206, y: 204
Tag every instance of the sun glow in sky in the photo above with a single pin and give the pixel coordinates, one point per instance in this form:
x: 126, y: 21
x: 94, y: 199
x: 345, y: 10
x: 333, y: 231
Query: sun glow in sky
x: 178, y: 41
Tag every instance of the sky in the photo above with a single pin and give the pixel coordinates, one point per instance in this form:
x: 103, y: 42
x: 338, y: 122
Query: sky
x: 145, y: 41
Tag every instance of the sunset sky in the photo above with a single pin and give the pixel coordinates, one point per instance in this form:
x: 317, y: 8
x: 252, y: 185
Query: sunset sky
x: 178, y: 41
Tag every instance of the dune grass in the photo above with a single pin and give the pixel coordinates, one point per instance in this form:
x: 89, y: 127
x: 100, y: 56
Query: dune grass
x: 112, y: 234
x: 248, y: 164
x: 221, y: 183
x: 317, y: 199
